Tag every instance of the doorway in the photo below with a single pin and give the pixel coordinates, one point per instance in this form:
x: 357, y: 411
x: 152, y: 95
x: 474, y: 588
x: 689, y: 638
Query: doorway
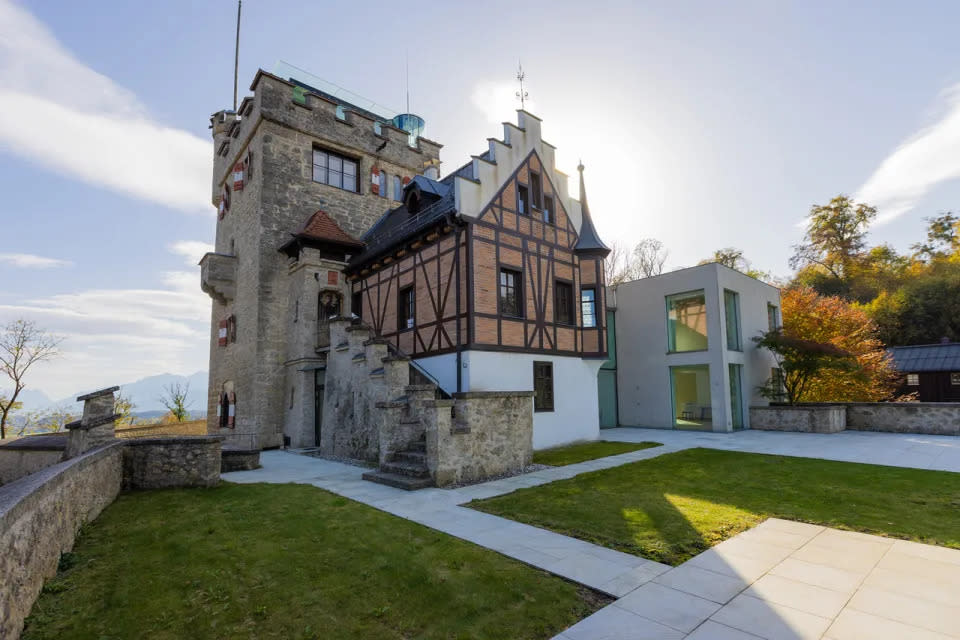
x: 690, y: 390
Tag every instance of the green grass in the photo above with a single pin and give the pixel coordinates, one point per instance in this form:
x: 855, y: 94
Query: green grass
x: 574, y: 453
x: 290, y: 562
x: 671, y: 507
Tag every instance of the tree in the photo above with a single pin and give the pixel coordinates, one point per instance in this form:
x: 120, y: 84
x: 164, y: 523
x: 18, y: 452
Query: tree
x: 835, y: 237
x: 799, y: 363
x: 943, y: 238
x: 175, y: 400
x: 22, y: 345
x: 830, y: 320
x: 124, y: 406
x: 734, y: 258
x: 646, y: 260
x: 49, y: 421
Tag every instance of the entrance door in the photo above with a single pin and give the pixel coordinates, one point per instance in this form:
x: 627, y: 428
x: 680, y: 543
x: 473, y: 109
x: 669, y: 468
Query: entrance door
x: 736, y: 397
x: 319, y: 380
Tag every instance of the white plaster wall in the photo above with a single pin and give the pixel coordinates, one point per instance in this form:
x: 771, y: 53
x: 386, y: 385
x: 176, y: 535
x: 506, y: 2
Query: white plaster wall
x: 576, y: 414
x: 444, y: 369
x: 643, y: 364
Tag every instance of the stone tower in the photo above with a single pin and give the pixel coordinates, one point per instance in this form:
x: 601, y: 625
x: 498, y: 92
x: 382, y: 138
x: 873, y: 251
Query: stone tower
x: 299, y: 176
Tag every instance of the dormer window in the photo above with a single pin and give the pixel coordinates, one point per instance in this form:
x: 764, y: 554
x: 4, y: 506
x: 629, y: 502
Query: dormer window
x: 523, y: 200
x: 536, y: 191
x: 413, y: 200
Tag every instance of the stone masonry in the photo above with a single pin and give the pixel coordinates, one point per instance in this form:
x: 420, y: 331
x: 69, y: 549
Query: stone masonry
x: 172, y: 461
x: 277, y: 198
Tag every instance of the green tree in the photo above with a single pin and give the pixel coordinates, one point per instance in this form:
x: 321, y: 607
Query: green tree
x: 799, y: 362
x: 124, y: 406
x: 734, y: 258
x: 943, y: 238
x: 835, y: 237
x: 175, y: 400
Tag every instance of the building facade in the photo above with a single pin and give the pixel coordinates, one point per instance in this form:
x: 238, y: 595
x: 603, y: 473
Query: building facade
x: 932, y: 371
x: 488, y: 280
x: 685, y: 357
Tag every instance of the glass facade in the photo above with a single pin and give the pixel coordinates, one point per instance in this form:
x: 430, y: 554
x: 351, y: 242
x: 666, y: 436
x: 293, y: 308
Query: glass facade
x: 736, y: 396
x: 690, y: 390
x: 687, y: 322
x: 731, y: 309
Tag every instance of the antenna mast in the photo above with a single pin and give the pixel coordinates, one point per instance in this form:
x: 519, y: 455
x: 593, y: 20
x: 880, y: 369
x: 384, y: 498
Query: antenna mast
x: 408, y: 80
x: 523, y: 95
x: 236, y: 57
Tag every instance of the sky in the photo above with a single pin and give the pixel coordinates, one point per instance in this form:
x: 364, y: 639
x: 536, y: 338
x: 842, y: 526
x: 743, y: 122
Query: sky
x: 702, y: 124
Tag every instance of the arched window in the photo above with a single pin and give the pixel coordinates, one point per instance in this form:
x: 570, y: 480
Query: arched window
x: 224, y: 410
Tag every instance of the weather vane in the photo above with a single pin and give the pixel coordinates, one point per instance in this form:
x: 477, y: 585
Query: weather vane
x: 521, y: 94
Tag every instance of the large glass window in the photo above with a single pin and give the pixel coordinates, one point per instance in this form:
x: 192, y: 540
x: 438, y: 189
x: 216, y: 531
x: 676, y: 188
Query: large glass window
x: 510, y: 296
x: 690, y: 388
x: 687, y: 322
x: 588, y: 306
x: 334, y: 170
x: 731, y: 308
x: 543, y: 386
x: 736, y: 396
x: 773, y: 317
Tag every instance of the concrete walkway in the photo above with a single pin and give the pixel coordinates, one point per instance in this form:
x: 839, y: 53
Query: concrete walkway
x: 787, y: 580
x: 894, y: 449
x: 780, y: 580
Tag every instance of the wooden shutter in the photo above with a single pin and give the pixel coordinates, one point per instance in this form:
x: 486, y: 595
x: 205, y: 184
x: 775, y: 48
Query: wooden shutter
x: 238, y: 177
x: 231, y: 409
x: 222, y: 334
x: 375, y: 181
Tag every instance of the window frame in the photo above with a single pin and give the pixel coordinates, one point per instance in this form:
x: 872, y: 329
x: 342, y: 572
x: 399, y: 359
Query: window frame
x: 517, y: 287
x: 541, y: 404
x: 326, y: 168
x: 738, y: 331
x: 406, y: 304
x: 671, y: 335
x: 549, y: 215
x: 955, y: 378
x: 775, y: 317
x: 911, y: 377
x: 523, y: 204
x: 593, y: 304
x: 570, y: 307
x: 355, y: 308
x: 536, y: 191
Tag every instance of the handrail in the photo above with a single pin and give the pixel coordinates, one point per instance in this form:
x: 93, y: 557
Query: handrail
x: 426, y: 374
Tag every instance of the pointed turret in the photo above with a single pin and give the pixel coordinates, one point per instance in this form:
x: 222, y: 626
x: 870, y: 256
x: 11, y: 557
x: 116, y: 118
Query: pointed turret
x: 589, y: 243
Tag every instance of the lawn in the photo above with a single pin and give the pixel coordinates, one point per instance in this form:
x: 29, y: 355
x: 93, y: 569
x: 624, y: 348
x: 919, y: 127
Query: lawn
x: 671, y: 507
x: 291, y: 562
x: 571, y: 454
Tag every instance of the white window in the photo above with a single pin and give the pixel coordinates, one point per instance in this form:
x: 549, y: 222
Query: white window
x: 955, y: 378
x: 913, y: 379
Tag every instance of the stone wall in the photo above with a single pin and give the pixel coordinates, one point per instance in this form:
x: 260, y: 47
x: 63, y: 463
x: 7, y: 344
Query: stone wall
x: 936, y: 418
x: 16, y: 463
x: 40, y: 516
x: 802, y: 418
x: 175, y: 461
x: 239, y: 460
x: 489, y: 433
x: 190, y: 428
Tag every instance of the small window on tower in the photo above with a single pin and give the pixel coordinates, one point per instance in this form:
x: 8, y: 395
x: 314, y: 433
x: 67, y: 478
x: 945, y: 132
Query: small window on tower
x: 523, y: 200
x: 356, y: 304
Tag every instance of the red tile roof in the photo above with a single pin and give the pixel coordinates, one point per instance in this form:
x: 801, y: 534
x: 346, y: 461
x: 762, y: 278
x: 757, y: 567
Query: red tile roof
x: 321, y: 226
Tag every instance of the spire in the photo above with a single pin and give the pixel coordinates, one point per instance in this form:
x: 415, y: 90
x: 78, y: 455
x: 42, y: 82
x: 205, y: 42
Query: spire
x: 589, y: 242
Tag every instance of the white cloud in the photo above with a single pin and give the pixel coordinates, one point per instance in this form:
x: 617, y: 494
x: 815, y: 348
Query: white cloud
x: 67, y: 117
x: 920, y: 163
x: 115, y: 336
x: 191, y: 250
x: 498, y: 101
x: 30, y: 261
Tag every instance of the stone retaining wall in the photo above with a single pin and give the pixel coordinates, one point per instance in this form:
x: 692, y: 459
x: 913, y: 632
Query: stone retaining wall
x: 239, y: 459
x: 191, y: 428
x: 935, y: 418
x: 40, y: 516
x: 803, y: 418
x: 489, y: 433
x: 174, y: 461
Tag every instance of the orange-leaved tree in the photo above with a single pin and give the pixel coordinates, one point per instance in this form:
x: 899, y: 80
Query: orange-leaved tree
x: 831, y: 320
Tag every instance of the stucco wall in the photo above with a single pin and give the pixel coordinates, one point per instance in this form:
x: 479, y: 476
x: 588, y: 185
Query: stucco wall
x: 576, y: 414
x: 39, y: 518
x: 643, y: 363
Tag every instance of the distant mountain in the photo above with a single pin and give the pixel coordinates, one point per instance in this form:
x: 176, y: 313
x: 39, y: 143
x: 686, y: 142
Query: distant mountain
x: 146, y: 392
x: 32, y: 399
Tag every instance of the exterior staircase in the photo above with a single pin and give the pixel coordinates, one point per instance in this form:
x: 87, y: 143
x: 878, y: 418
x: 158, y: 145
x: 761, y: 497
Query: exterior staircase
x: 405, y: 469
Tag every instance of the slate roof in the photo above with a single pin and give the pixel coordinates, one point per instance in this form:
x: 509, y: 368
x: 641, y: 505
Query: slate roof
x: 398, y: 224
x: 927, y: 357
x: 589, y: 241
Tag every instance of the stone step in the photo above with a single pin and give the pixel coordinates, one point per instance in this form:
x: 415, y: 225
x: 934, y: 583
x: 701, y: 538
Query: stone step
x: 412, y: 457
x: 414, y: 470
x: 398, y: 481
x: 419, y: 446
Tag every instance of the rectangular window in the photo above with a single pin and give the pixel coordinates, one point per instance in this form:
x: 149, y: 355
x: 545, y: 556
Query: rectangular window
x: 563, y: 304
x: 955, y: 378
x: 543, y: 386
x: 913, y: 379
x: 687, y: 322
x: 334, y: 170
x: 548, y: 209
x: 773, y: 317
x: 731, y: 307
x: 407, y: 310
x: 397, y: 188
x: 384, y: 181
x: 523, y: 200
x: 588, y: 306
x: 511, y: 295
x: 356, y: 304
x: 536, y: 191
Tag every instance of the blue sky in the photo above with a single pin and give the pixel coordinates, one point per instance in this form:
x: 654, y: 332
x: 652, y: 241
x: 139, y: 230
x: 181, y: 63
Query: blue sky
x: 702, y: 124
